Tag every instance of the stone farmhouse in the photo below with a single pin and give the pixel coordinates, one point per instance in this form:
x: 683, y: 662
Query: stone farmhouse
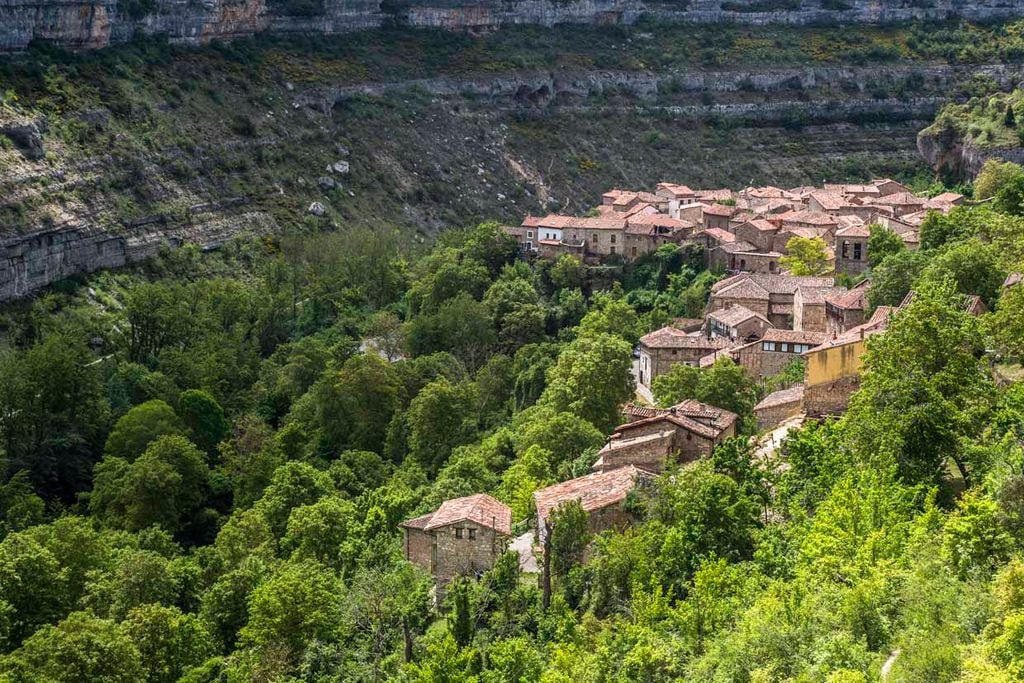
x: 661, y: 349
x: 463, y: 537
x: 684, y: 432
x: 770, y: 354
x: 602, y: 495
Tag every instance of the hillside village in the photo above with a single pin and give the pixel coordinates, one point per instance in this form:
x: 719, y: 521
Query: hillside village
x: 759, y: 315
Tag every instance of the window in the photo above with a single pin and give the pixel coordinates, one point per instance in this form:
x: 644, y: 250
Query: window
x: 593, y: 238
x: 771, y: 266
x: 785, y: 348
x: 856, y: 251
x: 612, y: 239
x: 612, y: 250
x: 634, y: 251
x: 458, y: 532
x: 846, y: 249
x: 675, y: 351
x: 529, y: 234
x: 769, y: 346
x: 472, y: 533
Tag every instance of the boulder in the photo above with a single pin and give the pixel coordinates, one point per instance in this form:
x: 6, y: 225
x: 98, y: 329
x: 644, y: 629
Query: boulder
x: 340, y: 167
x: 326, y: 182
x: 317, y: 209
x: 27, y: 136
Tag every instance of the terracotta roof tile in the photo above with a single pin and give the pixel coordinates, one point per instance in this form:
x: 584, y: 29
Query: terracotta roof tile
x: 593, y: 491
x: 480, y: 508
x: 673, y: 338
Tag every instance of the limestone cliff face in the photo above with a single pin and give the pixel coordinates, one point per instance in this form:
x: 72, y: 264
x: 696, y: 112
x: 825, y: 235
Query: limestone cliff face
x: 85, y: 24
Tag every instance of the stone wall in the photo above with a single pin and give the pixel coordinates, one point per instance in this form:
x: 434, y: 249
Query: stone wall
x: 830, y: 398
x: 464, y: 556
x: 419, y: 548
x: 29, y: 263
x: 87, y: 24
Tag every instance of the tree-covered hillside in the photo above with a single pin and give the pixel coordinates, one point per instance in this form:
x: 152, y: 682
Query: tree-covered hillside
x: 206, y: 459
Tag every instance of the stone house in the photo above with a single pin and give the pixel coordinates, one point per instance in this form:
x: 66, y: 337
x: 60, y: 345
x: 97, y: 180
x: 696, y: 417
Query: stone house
x: 675, y: 197
x: 775, y: 350
x: 463, y: 537
x: 781, y: 239
x: 737, y: 324
x: 525, y: 237
x: 846, y: 310
x: 851, y: 248
x: 901, y: 203
x: 833, y: 368
x: 669, y: 346
x: 645, y: 232
x: 831, y: 203
x: 759, y: 232
x: 713, y: 237
x: 742, y: 257
x: 779, y: 406
x: 887, y: 186
x: 809, y: 307
x: 685, y: 432
x: 815, y: 220
x: 766, y: 294
x: 717, y: 215
x: 603, y: 235
x: 602, y: 495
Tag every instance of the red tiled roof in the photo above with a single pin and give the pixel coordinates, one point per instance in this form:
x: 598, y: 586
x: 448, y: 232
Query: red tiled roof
x: 670, y: 337
x: 734, y: 315
x: 794, y: 336
x: 718, y: 234
x: 593, y: 491
x: 719, y: 210
x: 700, y: 418
x: 807, y: 217
x: 850, y: 300
x: 854, y: 231
x: 480, y: 508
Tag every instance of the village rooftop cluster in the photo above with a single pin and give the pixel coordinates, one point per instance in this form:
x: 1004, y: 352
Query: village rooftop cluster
x: 759, y: 316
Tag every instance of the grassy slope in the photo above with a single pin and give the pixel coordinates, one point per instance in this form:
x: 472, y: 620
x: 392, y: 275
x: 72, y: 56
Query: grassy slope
x: 149, y: 129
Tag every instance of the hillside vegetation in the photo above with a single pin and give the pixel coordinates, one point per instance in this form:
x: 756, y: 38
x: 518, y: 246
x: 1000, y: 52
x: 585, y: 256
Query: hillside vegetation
x: 220, y: 500
x: 145, y: 133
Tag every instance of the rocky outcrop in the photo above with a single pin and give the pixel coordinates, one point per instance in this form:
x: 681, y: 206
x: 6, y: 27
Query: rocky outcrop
x: 85, y: 24
x: 31, y: 262
x: 952, y: 156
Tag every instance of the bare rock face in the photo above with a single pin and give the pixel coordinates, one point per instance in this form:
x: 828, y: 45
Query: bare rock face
x: 87, y: 24
x: 27, y: 136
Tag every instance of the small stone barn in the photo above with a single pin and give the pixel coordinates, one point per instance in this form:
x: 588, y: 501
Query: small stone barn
x: 463, y: 537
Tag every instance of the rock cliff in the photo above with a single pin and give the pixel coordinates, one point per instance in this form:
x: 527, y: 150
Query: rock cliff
x: 84, y: 24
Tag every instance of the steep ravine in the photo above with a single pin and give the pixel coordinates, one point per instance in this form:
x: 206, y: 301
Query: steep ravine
x: 199, y: 153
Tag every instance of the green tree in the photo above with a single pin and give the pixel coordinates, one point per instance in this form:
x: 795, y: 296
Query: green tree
x: 974, y: 537
x: 567, y: 273
x: 700, y: 514
x: 724, y: 384
x: 355, y: 404
x: 569, y: 536
x: 805, y: 256
x: 882, y: 243
x: 300, y: 602
x: 80, y: 648
x: 1006, y: 325
x: 592, y: 379
x: 204, y: 418
x: 169, y: 642
x: 993, y: 176
x: 459, y: 599
x: 1010, y: 197
x: 139, y: 427
x: 165, y: 486
x: 923, y: 387
x: 441, y: 417
x: 893, y: 279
